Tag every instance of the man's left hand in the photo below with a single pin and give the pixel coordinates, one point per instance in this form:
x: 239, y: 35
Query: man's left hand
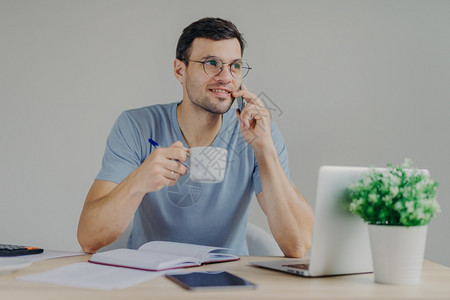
x: 254, y: 120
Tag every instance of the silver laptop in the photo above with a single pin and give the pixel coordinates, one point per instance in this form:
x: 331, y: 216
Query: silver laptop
x: 340, y: 241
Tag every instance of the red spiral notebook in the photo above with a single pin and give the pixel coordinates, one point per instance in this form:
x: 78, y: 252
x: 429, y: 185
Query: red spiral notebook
x: 161, y: 255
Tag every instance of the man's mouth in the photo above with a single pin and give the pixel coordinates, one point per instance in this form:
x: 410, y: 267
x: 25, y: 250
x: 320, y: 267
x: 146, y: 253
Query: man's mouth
x: 220, y: 91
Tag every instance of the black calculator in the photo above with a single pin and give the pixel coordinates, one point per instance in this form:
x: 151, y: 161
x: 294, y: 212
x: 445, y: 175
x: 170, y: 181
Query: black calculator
x: 16, y: 250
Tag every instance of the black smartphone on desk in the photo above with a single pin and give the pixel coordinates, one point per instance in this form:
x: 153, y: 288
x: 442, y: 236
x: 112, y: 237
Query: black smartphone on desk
x: 210, y: 280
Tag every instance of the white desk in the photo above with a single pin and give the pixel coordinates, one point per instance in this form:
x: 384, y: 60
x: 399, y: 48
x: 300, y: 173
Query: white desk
x: 435, y: 284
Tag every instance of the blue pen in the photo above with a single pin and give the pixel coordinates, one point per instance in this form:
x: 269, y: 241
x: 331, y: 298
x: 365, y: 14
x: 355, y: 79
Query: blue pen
x: 156, y: 145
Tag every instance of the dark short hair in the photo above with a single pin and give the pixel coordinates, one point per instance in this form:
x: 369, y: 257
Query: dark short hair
x: 210, y: 28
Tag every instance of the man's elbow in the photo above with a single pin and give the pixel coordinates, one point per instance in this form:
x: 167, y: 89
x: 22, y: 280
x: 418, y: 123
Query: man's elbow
x: 86, y: 244
x: 297, y: 249
x: 296, y: 252
x: 88, y: 249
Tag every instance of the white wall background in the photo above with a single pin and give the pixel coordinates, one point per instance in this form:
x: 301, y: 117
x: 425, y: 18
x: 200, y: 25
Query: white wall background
x: 356, y: 83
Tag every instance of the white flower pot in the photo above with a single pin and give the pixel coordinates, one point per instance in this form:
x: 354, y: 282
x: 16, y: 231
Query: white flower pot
x: 397, y: 253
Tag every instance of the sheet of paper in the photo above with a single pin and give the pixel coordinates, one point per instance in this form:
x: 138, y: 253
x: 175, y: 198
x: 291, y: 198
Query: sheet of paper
x: 88, y: 275
x: 49, y: 254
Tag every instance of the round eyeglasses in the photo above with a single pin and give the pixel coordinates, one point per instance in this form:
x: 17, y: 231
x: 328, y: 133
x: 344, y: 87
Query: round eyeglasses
x: 214, y: 65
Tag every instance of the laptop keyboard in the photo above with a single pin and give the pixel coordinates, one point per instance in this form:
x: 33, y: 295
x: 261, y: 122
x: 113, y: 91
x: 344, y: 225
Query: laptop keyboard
x: 304, y: 266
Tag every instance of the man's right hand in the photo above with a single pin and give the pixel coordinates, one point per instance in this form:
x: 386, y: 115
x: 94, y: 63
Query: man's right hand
x: 109, y: 207
x: 161, y: 169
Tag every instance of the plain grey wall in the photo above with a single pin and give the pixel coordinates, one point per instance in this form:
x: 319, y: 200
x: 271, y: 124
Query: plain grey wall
x: 354, y: 83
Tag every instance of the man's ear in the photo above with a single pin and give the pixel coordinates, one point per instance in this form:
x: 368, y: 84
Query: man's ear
x: 179, y: 69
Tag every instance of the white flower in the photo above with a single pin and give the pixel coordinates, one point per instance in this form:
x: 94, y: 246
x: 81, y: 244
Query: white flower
x: 395, y: 180
x: 373, y: 197
x: 409, y: 206
x: 394, y: 191
x: 407, y: 163
x: 387, y: 199
x: 407, y: 192
x: 386, y: 181
x: 398, y: 206
x: 419, y: 214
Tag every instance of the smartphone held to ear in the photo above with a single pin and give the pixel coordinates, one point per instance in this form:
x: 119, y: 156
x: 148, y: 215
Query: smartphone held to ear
x: 210, y: 280
x: 240, y: 100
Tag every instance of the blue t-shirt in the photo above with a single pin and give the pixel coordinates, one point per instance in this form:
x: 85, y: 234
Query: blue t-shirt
x: 213, y: 214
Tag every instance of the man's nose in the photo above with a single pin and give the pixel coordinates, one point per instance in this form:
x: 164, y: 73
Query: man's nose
x: 225, y: 74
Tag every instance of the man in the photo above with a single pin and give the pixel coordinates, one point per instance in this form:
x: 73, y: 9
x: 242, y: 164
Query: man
x: 149, y: 186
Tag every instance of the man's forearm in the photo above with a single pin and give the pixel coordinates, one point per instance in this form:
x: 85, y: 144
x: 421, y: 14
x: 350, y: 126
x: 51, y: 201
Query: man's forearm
x: 289, y: 215
x: 106, y: 214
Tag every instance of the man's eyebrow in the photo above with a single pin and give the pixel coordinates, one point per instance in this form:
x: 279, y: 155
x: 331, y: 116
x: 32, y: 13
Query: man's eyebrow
x: 209, y: 56
x: 213, y: 56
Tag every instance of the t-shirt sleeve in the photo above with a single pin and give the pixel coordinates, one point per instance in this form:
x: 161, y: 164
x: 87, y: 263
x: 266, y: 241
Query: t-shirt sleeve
x: 282, y: 157
x: 122, y: 150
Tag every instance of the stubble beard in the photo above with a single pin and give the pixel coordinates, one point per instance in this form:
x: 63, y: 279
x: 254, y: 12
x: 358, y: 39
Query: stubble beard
x: 204, y: 103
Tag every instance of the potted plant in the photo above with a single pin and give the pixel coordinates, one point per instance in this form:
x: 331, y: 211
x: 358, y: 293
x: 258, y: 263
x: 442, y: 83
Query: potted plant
x: 398, y: 203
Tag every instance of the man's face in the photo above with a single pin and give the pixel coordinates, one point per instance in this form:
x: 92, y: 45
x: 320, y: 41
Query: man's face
x: 212, y: 93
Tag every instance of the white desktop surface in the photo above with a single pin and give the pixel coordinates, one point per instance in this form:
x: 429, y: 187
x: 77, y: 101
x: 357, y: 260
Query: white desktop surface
x: 435, y: 284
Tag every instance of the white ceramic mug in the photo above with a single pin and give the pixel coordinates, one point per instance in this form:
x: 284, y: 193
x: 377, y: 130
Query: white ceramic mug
x: 207, y: 164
